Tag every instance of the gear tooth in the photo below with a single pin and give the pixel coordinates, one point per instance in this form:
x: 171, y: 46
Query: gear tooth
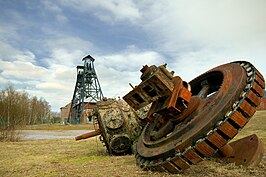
x: 171, y: 167
x: 192, y: 156
x: 224, y: 122
x: 180, y: 163
x: 259, y: 75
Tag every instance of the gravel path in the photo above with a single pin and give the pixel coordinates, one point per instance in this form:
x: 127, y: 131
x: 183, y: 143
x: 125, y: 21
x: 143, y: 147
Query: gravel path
x: 50, y: 134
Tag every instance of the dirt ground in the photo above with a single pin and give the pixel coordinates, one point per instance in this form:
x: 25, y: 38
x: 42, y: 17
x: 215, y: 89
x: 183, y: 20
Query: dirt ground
x: 66, y: 157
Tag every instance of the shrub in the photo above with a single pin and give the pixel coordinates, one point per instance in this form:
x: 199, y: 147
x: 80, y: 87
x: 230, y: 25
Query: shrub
x: 9, y: 133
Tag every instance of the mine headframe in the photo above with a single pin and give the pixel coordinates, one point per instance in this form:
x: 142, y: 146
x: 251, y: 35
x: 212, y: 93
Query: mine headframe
x: 87, y: 90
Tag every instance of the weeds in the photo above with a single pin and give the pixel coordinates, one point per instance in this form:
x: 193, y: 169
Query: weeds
x: 66, y: 157
x: 9, y: 133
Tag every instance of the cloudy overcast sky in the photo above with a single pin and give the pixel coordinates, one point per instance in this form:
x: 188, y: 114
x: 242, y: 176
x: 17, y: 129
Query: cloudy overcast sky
x: 42, y: 42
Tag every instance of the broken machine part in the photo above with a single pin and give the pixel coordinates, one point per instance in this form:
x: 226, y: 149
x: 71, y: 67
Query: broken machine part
x: 118, y: 125
x: 189, y: 122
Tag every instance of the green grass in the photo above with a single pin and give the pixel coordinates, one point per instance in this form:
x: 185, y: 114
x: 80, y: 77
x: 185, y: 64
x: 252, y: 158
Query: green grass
x: 66, y: 157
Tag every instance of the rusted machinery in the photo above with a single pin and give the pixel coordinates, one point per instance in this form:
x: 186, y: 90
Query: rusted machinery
x: 189, y: 122
x: 118, y: 125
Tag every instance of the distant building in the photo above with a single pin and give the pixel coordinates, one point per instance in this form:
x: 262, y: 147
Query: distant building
x: 65, y: 112
x: 86, y: 115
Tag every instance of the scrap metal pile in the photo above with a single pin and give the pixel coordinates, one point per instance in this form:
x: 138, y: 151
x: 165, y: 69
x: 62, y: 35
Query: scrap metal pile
x: 189, y: 122
x: 118, y: 125
x: 186, y: 122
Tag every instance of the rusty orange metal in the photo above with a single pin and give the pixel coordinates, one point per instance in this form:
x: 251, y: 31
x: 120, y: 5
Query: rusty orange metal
x: 189, y: 122
x: 88, y: 135
x: 247, y: 151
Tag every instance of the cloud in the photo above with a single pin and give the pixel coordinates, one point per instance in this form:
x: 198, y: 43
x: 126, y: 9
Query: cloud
x: 55, y: 99
x: 55, y: 84
x: 66, y: 51
x: 59, y: 80
x: 116, y: 71
x: 130, y: 60
x: 56, y: 10
x: 21, y: 70
x: 200, y: 36
x: 64, y: 58
x: 10, y: 53
x: 190, y: 38
x: 57, y: 87
x: 108, y: 11
x: 115, y: 83
x: 50, y: 86
x: 3, y: 81
x: 69, y: 43
x: 52, y: 7
x: 61, y: 18
x: 7, y: 31
x: 64, y: 74
x: 205, y: 23
x: 56, y: 80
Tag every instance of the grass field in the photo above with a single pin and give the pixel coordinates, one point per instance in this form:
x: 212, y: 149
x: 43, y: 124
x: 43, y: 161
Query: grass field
x: 65, y: 157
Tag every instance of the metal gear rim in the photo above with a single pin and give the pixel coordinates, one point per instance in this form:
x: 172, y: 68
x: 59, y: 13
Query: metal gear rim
x: 244, y: 107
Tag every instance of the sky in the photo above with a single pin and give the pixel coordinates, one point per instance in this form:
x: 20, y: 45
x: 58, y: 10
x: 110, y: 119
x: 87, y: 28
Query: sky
x: 42, y: 42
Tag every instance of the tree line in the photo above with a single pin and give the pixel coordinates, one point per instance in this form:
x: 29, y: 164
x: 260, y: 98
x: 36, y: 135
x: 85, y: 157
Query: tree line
x: 18, y: 108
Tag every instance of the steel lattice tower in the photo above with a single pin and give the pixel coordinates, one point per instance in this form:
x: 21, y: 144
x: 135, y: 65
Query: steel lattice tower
x: 87, y: 90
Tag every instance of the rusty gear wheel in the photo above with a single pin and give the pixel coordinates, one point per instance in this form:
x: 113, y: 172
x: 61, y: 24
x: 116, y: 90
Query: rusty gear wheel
x: 229, y: 100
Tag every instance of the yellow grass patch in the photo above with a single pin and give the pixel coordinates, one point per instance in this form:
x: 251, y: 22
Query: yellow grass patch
x: 66, y: 157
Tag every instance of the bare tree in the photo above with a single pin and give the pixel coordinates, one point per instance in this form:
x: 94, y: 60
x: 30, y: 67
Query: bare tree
x: 17, y: 108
